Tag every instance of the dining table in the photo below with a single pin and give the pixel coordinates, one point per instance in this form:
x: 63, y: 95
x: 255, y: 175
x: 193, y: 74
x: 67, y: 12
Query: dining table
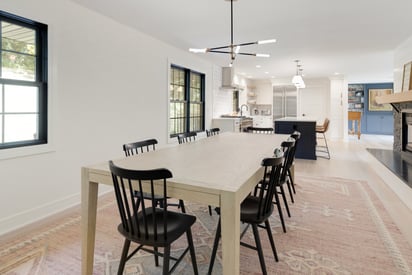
x: 220, y: 170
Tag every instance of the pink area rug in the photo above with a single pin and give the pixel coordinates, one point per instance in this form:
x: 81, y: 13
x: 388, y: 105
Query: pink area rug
x: 338, y: 226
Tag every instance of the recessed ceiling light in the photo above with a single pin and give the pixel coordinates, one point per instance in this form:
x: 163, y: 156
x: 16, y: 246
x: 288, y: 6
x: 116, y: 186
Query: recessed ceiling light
x: 258, y: 66
x: 266, y: 72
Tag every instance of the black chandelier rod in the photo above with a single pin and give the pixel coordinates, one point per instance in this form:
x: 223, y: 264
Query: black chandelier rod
x: 251, y: 54
x: 231, y: 22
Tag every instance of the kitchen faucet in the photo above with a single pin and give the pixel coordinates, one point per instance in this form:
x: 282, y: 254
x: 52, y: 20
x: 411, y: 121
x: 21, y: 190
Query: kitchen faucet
x: 241, y: 109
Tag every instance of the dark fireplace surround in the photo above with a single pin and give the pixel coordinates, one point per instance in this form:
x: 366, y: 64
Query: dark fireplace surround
x: 402, y: 136
x: 399, y: 160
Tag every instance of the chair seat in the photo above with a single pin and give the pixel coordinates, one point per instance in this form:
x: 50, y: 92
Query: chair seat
x: 320, y: 129
x: 249, y: 211
x: 177, y: 224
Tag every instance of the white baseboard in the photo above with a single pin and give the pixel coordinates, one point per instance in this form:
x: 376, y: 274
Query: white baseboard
x: 19, y: 221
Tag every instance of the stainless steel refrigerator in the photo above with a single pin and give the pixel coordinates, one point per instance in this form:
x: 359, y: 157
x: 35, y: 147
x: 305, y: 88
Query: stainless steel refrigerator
x: 284, y: 101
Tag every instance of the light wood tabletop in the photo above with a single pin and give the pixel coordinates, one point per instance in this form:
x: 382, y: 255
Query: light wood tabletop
x: 220, y: 170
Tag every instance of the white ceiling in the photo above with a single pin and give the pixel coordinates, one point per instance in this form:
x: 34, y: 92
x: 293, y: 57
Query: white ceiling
x: 355, y: 38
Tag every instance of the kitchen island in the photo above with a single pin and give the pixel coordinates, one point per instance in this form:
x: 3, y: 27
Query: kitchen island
x: 306, y: 148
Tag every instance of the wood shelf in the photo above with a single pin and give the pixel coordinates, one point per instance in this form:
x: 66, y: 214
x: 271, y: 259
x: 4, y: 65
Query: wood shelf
x: 395, y: 98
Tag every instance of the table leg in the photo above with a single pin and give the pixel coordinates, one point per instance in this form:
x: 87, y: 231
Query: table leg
x: 88, y: 230
x: 353, y: 127
x: 230, y: 215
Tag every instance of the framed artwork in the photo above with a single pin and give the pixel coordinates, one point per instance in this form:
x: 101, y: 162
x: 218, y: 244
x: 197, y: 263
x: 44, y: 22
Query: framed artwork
x: 406, y: 80
x: 373, y: 105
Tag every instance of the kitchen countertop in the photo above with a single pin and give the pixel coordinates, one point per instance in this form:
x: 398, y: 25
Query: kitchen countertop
x: 302, y: 118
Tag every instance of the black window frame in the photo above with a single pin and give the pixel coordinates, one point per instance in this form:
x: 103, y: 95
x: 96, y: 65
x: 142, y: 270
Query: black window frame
x: 41, y: 79
x: 187, y: 101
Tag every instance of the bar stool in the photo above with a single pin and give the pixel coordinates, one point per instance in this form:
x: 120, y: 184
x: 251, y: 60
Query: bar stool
x: 321, y: 129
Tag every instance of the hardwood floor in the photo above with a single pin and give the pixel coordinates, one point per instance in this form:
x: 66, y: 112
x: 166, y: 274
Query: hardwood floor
x: 349, y: 159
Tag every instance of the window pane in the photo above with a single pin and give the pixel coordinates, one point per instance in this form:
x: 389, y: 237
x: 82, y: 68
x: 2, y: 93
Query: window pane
x: 1, y: 98
x: 20, y: 127
x: 18, y: 39
x: 21, y: 99
x: 195, y: 80
x: 1, y: 129
x: 186, y: 88
x: 18, y: 66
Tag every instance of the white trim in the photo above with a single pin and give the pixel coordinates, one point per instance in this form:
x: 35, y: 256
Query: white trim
x: 37, y: 214
x: 49, y: 147
x: 26, y: 151
x: 32, y: 215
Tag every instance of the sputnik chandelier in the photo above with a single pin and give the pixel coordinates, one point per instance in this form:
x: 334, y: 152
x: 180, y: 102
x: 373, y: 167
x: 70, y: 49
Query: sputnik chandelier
x: 234, y: 49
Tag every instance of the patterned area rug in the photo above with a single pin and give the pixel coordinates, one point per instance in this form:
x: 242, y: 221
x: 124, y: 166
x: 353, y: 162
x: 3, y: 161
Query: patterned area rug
x: 338, y: 226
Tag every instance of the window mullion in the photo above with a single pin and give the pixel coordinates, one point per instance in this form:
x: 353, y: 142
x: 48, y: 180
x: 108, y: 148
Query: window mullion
x: 2, y: 112
x: 1, y: 50
x: 187, y: 94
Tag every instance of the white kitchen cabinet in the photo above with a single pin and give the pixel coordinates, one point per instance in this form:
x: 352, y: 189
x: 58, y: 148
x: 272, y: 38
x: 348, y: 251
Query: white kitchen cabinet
x: 262, y: 121
x: 226, y: 124
x: 251, y: 96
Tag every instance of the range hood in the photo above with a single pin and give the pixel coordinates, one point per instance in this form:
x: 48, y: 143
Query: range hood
x: 229, y: 79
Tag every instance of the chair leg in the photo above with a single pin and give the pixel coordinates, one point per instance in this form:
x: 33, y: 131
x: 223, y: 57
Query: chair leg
x: 291, y: 181
x: 182, y: 206
x: 290, y: 190
x: 192, y: 251
x: 210, y: 210
x: 166, y: 260
x: 156, y: 256
x: 214, y: 251
x: 259, y: 248
x: 325, y: 147
x: 122, y: 263
x: 326, y: 143
x: 280, y: 211
x: 282, y: 191
x: 272, y: 242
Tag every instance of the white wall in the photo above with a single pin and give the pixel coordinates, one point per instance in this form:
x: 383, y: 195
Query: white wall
x: 338, y: 116
x: 264, y: 91
x: 314, y: 99
x: 402, y: 55
x: 223, y: 98
x: 108, y: 85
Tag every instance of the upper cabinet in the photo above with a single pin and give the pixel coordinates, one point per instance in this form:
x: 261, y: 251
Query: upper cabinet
x: 251, y: 95
x: 355, y: 97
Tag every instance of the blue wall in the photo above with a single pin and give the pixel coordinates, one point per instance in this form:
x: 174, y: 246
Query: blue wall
x: 374, y: 122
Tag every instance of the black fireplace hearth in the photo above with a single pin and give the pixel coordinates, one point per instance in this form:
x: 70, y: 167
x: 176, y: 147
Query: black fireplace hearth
x: 400, y: 163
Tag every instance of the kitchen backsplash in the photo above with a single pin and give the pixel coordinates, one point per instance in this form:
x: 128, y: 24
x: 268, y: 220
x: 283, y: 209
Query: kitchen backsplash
x: 260, y: 109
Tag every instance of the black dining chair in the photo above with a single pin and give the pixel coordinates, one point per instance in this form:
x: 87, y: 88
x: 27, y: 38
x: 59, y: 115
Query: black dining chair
x: 255, y: 210
x: 212, y: 132
x: 149, y: 226
x: 288, y: 147
x: 186, y: 137
x: 260, y: 130
x: 140, y: 147
x: 209, y: 133
x: 286, y: 150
